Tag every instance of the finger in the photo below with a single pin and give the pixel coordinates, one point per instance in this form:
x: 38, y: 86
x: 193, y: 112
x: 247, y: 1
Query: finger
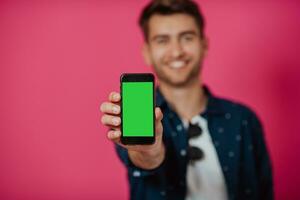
x: 114, y: 97
x: 110, y: 120
x: 114, y: 135
x: 110, y: 108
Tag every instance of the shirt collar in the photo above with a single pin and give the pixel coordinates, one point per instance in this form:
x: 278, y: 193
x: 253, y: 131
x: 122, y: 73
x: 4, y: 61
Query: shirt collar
x: 213, y: 104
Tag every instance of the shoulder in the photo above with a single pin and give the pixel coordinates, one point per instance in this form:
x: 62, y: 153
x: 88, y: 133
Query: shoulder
x: 243, y: 118
x: 237, y: 109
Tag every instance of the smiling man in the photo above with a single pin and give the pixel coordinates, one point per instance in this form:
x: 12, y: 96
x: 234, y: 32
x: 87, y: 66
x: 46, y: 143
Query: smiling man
x: 206, y: 147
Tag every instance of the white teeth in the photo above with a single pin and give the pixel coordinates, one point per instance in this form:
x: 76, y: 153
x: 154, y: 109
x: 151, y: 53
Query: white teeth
x: 177, y: 64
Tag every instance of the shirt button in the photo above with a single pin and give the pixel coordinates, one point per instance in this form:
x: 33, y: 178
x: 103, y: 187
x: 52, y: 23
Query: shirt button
x: 174, y: 134
x: 238, y: 137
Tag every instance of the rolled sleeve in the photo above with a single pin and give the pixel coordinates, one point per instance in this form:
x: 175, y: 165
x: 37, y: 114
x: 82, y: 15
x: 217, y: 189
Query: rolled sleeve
x: 133, y: 170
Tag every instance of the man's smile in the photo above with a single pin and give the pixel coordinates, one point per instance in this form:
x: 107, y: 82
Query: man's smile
x: 177, y: 64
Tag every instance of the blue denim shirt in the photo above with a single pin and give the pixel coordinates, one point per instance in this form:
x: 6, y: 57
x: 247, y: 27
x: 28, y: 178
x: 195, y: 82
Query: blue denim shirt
x: 238, y: 137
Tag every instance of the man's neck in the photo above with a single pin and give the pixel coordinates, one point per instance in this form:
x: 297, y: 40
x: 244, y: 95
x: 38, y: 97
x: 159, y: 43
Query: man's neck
x: 187, y: 101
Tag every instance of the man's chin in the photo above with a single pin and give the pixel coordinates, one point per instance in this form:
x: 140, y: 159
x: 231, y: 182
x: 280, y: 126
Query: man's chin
x: 176, y: 82
x: 178, y: 79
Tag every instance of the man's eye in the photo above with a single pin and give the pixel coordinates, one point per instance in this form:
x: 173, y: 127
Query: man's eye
x: 188, y: 38
x: 161, y: 41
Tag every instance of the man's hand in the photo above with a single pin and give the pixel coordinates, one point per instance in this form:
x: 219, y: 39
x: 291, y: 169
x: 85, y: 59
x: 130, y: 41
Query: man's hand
x: 143, y: 156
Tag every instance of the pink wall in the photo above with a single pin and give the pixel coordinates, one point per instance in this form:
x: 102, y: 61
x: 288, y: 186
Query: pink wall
x: 60, y: 59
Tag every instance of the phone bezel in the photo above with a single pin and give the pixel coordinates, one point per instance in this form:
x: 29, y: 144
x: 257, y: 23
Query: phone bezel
x: 137, y: 77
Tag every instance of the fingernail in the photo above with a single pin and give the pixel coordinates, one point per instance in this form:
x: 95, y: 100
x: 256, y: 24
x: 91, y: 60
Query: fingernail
x: 117, y: 133
x: 115, y: 96
x: 115, y: 109
x: 115, y: 121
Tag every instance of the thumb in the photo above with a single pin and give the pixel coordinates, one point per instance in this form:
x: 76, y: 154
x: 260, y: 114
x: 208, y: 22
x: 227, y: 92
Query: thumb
x: 158, y: 114
x: 158, y: 124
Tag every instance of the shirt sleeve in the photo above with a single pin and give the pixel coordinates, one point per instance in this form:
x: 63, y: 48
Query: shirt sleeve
x: 262, y: 159
x: 133, y: 170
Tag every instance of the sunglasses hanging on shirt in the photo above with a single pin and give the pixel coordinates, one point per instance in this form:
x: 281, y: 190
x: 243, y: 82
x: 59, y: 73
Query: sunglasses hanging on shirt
x: 194, y: 153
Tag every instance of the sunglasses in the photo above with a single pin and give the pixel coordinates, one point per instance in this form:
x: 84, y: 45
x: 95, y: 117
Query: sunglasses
x: 194, y: 153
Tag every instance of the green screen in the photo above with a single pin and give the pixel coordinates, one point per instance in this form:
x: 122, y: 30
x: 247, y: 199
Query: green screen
x: 137, y: 109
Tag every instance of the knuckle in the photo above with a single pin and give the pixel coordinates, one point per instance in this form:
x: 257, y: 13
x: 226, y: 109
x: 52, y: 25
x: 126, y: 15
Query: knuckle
x: 111, y: 95
x: 106, y: 119
x: 102, y: 107
x: 109, y: 134
x: 107, y: 107
x: 103, y: 119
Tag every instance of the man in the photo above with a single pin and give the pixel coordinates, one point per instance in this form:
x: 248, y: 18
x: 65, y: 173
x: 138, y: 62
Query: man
x: 206, y: 147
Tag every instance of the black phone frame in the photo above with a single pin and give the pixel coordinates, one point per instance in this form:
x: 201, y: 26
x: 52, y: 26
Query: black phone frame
x: 137, y: 77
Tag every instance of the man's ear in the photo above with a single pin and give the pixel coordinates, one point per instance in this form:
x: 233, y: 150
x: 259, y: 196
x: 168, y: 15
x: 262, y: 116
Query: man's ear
x: 146, y: 54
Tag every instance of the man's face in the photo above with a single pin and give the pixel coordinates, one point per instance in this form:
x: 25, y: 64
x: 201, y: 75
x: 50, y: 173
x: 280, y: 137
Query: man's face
x: 175, y: 48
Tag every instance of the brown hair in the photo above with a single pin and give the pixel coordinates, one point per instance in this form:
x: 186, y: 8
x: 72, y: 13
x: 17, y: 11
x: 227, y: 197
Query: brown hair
x: 169, y: 7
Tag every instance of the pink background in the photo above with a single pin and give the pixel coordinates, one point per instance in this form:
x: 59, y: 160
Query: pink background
x: 60, y: 59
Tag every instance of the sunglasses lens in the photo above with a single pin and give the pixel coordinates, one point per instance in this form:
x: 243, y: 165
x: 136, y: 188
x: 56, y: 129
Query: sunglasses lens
x: 194, y: 153
x: 194, y: 131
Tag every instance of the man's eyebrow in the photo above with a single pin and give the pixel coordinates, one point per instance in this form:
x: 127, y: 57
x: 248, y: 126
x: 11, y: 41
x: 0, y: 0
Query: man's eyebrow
x: 191, y: 32
x: 159, y: 36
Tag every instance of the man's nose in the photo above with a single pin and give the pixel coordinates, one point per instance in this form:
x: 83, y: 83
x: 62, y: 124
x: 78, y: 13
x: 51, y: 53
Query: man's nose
x: 176, y: 49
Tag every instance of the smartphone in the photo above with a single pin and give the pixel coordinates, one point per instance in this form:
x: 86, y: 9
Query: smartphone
x: 137, y: 108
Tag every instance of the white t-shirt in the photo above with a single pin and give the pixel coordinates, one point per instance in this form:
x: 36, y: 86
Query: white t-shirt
x: 205, y: 180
